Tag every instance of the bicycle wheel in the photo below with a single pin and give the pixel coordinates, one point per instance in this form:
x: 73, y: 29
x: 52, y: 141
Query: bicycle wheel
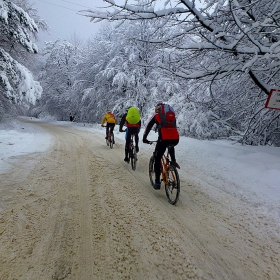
x: 107, y: 140
x: 172, y: 189
x: 152, y: 174
x: 111, y: 141
x: 133, y: 158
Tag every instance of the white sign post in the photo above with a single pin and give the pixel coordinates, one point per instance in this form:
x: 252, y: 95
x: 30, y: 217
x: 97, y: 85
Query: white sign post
x: 273, y: 100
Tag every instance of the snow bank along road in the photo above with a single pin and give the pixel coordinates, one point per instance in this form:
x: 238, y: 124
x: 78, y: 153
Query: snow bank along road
x: 77, y: 211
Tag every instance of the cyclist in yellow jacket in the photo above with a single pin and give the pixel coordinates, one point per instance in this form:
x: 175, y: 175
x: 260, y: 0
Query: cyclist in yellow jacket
x: 111, y: 121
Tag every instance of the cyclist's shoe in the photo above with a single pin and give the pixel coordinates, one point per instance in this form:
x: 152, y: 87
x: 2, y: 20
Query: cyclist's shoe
x: 174, y: 163
x: 137, y: 149
x: 157, y: 185
x: 113, y: 141
x: 126, y: 159
x: 106, y: 137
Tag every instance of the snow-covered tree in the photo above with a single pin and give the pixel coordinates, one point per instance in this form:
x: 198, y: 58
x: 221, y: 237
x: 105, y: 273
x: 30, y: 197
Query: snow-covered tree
x: 245, y: 32
x: 228, y: 50
x: 16, y: 82
x: 57, y: 77
x: 117, y: 72
x: 161, y: 56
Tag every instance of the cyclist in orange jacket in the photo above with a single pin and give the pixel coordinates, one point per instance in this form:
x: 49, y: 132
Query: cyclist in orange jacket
x: 111, y: 121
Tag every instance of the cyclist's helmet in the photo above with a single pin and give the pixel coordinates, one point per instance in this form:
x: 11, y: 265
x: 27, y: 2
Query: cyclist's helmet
x: 158, y: 106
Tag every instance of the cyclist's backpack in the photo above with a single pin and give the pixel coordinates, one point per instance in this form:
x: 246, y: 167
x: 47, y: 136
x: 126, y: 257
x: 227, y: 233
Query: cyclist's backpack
x: 133, y: 115
x: 167, y: 123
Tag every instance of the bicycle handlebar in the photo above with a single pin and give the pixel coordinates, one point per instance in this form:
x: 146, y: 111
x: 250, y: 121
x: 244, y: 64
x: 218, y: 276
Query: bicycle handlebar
x: 150, y: 142
x: 155, y: 141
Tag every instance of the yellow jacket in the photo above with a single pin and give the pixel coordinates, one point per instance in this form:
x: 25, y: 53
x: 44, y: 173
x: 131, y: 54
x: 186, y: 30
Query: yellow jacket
x: 109, y: 118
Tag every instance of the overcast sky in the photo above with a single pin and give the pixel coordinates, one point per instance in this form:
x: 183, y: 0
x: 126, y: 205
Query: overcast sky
x: 63, y: 19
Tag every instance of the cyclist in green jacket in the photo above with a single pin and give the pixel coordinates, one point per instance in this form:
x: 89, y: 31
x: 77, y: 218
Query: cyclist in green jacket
x: 132, y: 120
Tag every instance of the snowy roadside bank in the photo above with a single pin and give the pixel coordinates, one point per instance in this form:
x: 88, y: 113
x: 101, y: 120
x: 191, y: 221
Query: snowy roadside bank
x: 21, y: 139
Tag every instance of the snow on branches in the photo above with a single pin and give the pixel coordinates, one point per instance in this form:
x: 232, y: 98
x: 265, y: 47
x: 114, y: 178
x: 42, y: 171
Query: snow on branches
x: 16, y: 81
x: 236, y: 30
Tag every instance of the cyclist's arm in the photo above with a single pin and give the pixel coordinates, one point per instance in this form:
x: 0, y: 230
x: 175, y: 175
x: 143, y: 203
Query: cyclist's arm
x: 122, y: 122
x: 103, y: 120
x: 148, y: 128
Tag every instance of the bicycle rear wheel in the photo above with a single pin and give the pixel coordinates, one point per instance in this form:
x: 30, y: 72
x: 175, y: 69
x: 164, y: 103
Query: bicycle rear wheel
x: 172, y: 189
x: 133, y: 158
x: 107, y: 139
x: 152, y: 174
x: 111, y: 140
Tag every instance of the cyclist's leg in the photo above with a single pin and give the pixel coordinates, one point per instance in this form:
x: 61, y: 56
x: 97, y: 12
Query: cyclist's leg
x: 172, y: 150
x: 159, y: 151
x: 172, y: 153
x: 137, y: 139
x: 127, y: 141
x: 112, y: 126
x: 107, y: 129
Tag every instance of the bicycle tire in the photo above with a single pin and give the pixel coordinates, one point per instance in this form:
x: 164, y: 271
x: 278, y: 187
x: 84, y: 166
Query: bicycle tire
x: 152, y: 174
x: 107, y: 140
x: 133, y: 158
x: 172, y: 189
x: 111, y: 141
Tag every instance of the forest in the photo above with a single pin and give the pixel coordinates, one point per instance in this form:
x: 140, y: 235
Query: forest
x: 213, y: 61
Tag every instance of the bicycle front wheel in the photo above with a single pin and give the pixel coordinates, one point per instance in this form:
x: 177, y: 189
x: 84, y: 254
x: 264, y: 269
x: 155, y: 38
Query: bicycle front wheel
x: 152, y: 174
x: 133, y: 158
x: 111, y: 141
x: 172, y: 188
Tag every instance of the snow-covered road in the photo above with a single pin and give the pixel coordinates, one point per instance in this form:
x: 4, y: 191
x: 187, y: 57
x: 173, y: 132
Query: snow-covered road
x: 77, y: 211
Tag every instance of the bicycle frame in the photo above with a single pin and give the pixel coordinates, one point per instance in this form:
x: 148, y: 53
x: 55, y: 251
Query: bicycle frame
x: 110, y: 139
x: 131, y: 143
x: 168, y: 175
x: 164, y: 163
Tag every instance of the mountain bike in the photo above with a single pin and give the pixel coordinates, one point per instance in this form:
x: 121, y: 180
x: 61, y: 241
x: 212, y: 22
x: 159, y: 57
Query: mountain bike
x: 132, y: 155
x: 169, y: 176
x: 110, y: 138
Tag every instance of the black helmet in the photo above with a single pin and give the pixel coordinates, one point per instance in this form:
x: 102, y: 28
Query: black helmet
x: 158, y: 106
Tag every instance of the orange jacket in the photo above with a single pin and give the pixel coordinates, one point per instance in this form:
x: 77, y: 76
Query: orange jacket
x: 109, y: 118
